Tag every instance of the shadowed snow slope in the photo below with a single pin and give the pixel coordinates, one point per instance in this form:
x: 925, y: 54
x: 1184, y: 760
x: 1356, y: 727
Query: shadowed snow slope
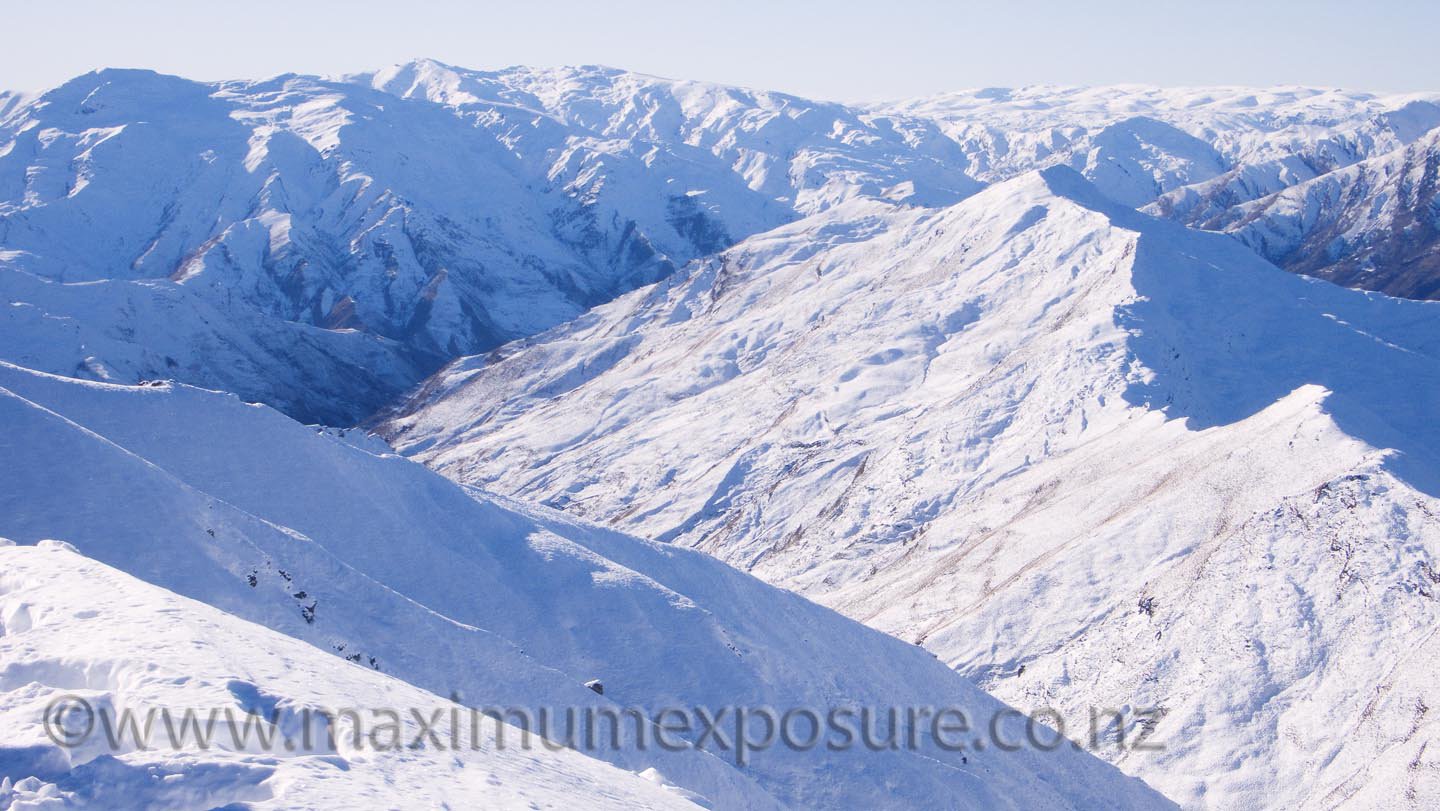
x: 74, y: 627
x: 1088, y: 457
x: 373, y: 558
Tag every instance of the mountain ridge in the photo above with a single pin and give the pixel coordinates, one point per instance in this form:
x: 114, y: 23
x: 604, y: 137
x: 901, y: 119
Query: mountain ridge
x: 997, y: 429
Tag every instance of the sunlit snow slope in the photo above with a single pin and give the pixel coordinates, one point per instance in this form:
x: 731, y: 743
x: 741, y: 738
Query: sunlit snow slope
x: 1086, y: 456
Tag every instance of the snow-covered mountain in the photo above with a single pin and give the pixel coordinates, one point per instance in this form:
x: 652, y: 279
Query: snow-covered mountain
x: 325, y: 537
x: 1088, y: 457
x: 1200, y: 150
x: 323, y: 244
x: 1322, y: 182
x: 967, y: 369
x: 1374, y: 225
x: 414, y: 214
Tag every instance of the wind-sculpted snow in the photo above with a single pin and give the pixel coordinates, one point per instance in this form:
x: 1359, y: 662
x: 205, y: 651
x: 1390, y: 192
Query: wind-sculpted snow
x: 372, y: 558
x: 1088, y: 457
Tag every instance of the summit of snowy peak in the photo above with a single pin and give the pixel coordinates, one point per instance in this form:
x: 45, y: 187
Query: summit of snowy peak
x: 423, y: 78
x: 109, y: 95
x: 1069, y: 184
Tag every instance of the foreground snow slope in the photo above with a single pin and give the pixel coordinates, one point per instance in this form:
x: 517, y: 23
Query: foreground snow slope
x: 70, y: 626
x: 377, y: 559
x: 1086, y: 456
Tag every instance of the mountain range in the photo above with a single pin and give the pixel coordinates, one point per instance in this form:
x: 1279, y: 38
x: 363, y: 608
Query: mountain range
x: 1080, y: 398
x: 322, y: 245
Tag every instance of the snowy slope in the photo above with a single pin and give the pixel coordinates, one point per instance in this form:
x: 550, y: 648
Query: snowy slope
x: 73, y: 627
x: 1374, y: 225
x: 376, y: 559
x: 1087, y: 457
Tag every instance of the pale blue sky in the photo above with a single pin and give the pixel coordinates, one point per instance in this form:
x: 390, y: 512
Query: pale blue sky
x: 838, y: 50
